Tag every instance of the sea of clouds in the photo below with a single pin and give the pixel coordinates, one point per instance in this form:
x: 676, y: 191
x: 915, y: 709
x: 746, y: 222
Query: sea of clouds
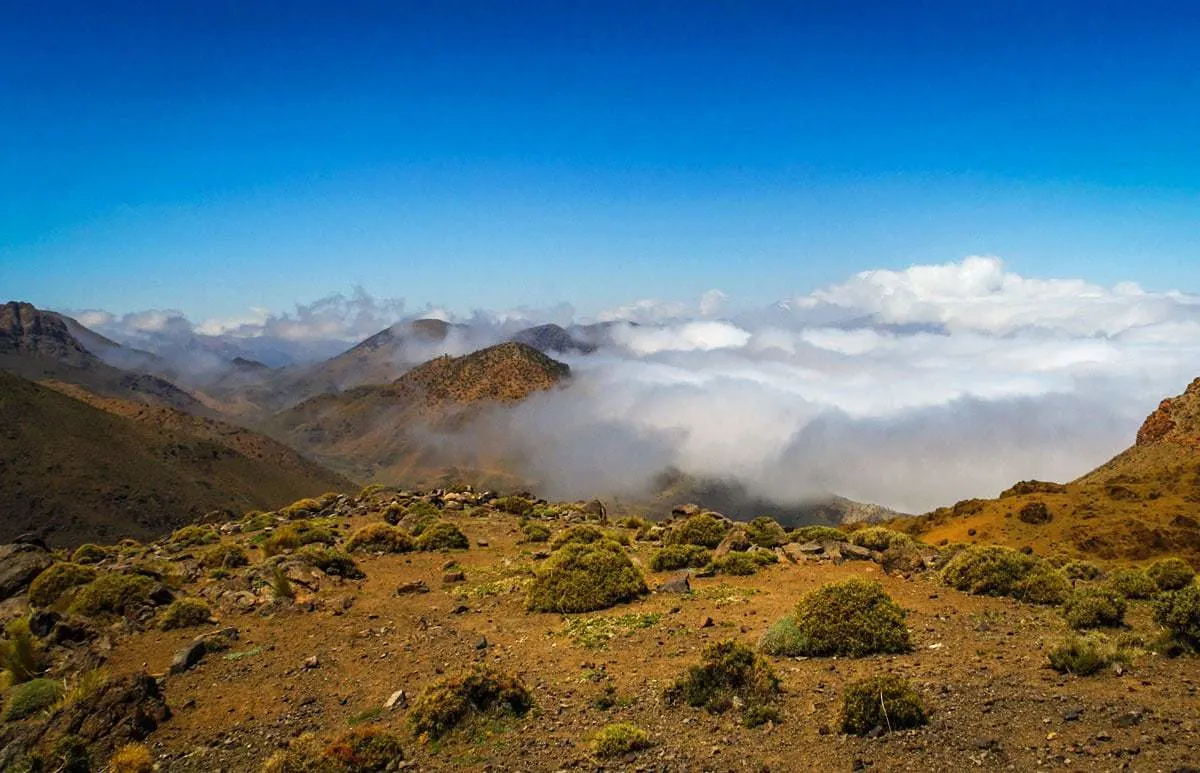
x: 910, y: 388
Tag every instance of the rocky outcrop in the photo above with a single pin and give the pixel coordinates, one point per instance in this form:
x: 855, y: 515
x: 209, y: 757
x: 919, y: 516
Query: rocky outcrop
x: 20, y: 563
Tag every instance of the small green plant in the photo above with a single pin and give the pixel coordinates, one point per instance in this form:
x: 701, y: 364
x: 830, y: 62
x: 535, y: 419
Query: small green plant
x: 674, y: 557
x: 886, y: 702
x: 1179, y: 613
x: 514, y: 505
x: 1171, y: 574
x: 987, y: 570
x: 32, y: 697
x: 49, y: 586
x: 113, y: 594
x: 20, y: 655
x: 192, y: 536
x: 582, y: 577
x: 619, y: 739
x: 442, y: 535
x: 83, y: 685
x: 1042, y: 585
x: 854, y: 617
x: 532, y: 531
x: 90, y: 554
x: 729, y: 673
x: 766, y: 532
x: 225, y: 557
x: 879, y: 538
x: 1094, y: 608
x: 1132, y: 584
x: 597, y: 632
x: 330, y: 561
x: 784, y: 639
x: 446, y: 704
x: 281, y: 586
x: 1082, y: 570
x: 1085, y: 655
x: 704, y: 529
x: 131, y: 758
x: 185, y: 613
x: 379, y: 537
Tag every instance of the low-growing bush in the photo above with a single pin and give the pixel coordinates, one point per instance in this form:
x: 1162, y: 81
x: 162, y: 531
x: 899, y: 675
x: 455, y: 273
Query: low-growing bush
x: 635, y: 522
x: 256, y: 520
x: 1085, y: 655
x: 1043, y: 585
x: 295, y: 535
x: 131, y: 758
x: 1179, y: 613
x: 444, y: 705
x: 703, y: 529
x: 817, y: 534
x: 379, y: 537
x: 743, y: 564
x: 987, y: 570
x: 20, y: 655
x: 619, y: 739
x: 185, y: 613
x: 330, y: 561
x: 1094, y: 608
x: 766, y: 532
x: 582, y: 534
x: 225, y: 557
x: 90, y: 554
x: 886, y: 702
x: 674, y: 557
x: 879, y: 538
x: 113, y: 594
x: 513, y: 504
x: 784, y: 639
x: 1082, y: 570
x: 729, y: 672
x: 1171, y: 573
x: 442, y: 535
x: 29, y: 698
x: 418, y: 515
x: 361, y: 750
x: 1132, y: 584
x: 583, y: 577
x: 49, y: 586
x: 532, y: 531
x: 192, y: 536
x: 854, y: 618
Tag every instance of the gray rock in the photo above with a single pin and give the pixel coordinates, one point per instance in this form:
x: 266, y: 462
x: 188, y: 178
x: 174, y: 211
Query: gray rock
x: 396, y: 700
x: 806, y: 548
x: 852, y: 552
x: 416, y: 586
x: 190, y: 656
x: 20, y: 563
x: 736, y: 539
x: 677, y: 584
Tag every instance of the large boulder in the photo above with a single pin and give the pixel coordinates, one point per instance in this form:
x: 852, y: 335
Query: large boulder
x: 20, y: 563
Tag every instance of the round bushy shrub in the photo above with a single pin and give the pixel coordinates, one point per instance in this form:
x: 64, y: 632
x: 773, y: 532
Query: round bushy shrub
x: 729, y: 672
x: 1093, y: 608
x: 379, y: 537
x: 1082, y: 570
x: 879, y: 538
x: 674, y: 557
x: 225, y: 557
x: 1043, y: 585
x: 90, y: 554
x: 582, y: 577
x: 1132, y: 584
x: 131, y: 758
x: 1179, y: 613
x: 185, y: 613
x: 28, y: 698
x: 736, y: 564
x: 886, y: 702
x: 817, y: 534
x: 1082, y: 655
x: 766, y: 532
x: 784, y: 639
x: 49, y: 586
x: 330, y: 561
x: 1171, y: 573
x: 619, y: 739
x: 442, y: 535
x: 533, y: 531
x: 191, y: 536
x: 704, y: 529
x: 292, y: 536
x: 854, y: 617
x: 113, y: 594
x: 987, y: 570
x: 444, y: 705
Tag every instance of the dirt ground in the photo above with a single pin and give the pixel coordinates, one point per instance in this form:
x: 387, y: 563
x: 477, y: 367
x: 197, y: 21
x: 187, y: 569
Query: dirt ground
x: 979, y: 662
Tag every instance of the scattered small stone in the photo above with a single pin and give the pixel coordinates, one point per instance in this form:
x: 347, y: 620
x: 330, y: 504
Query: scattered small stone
x: 482, y: 644
x: 707, y: 622
x: 312, y: 662
x: 396, y: 700
x: 416, y: 586
x: 481, y: 543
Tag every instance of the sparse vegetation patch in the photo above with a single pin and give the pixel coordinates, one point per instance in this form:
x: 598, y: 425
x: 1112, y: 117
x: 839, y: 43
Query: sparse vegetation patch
x: 442, y: 535
x: 889, y: 703
x: 704, y: 529
x: 1171, y: 573
x: 1094, y: 608
x: 729, y: 673
x: 49, y: 586
x: 619, y: 739
x: 445, y: 705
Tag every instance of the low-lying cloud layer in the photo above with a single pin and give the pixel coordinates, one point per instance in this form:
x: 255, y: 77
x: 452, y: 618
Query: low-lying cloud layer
x: 909, y: 388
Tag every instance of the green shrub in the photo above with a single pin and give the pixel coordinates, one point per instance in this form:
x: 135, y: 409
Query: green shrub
x: 887, y: 702
x: 29, y: 698
x: 729, y: 672
x: 292, y: 536
x: 582, y: 534
x: 281, y: 586
x: 854, y: 617
x: 1043, y: 585
x: 444, y: 705
x: 113, y: 594
x: 419, y: 515
x: 380, y: 537
x: 583, y: 577
x: 90, y: 554
x: 191, y: 536
x: 20, y: 655
x: 513, y: 505
x: 784, y: 639
x: 1179, y: 613
x: 1171, y: 573
x: 619, y: 739
x: 1082, y: 570
x: 1094, y: 608
x: 817, y: 534
x: 49, y: 586
x: 766, y: 532
x: 330, y: 561
x: 987, y: 570
x: 225, y: 557
x: 185, y: 613
x: 736, y: 564
x: 361, y: 750
x: 533, y: 531
x: 635, y: 522
x: 1132, y: 584
x: 256, y: 520
x: 442, y: 535
x: 306, y: 508
x: 1084, y: 655
x: 674, y: 557
x: 703, y: 529
x: 879, y: 538
x: 131, y: 758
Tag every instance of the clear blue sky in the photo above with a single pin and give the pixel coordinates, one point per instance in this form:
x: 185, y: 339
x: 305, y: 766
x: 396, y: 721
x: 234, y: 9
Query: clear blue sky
x: 219, y: 155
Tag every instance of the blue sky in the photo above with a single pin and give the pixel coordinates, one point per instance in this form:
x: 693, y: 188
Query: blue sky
x: 215, y: 156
